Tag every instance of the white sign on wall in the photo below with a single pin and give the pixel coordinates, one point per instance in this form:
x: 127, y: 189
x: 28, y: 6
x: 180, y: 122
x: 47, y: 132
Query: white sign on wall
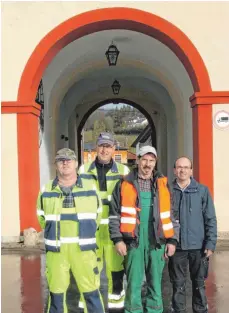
x: 221, y: 120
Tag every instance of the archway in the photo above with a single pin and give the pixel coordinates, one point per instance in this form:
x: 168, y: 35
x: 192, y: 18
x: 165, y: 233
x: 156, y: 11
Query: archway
x: 79, y: 26
x: 102, y: 103
x: 104, y: 19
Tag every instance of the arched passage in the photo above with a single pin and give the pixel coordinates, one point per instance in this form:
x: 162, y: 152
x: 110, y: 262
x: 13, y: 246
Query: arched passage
x: 116, y: 100
x: 112, y: 18
x: 79, y: 26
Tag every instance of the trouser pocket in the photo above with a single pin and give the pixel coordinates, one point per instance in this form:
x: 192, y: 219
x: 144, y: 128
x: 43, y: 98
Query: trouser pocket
x: 205, y: 267
x: 178, y: 297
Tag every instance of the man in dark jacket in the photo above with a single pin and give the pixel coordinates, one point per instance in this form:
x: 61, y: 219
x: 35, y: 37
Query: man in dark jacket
x: 194, y: 209
x: 143, y: 230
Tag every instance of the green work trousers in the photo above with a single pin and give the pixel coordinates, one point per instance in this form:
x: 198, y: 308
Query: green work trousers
x: 145, y: 260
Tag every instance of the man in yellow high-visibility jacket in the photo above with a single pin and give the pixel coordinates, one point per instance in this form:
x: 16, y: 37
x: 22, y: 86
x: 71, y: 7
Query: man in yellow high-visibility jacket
x: 69, y: 210
x: 106, y: 173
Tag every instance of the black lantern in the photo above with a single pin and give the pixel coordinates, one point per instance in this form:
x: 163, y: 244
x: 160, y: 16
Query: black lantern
x: 112, y: 55
x: 116, y: 87
x: 40, y: 95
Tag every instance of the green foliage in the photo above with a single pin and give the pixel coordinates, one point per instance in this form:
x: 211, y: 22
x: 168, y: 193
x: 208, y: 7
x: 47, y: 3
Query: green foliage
x: 125, y: 141
x: 99, y: 127
x: 109, y: 124
x: 119, y: 120
x: 122, y: 117
x: 96, y: 116
x: 88, y: 136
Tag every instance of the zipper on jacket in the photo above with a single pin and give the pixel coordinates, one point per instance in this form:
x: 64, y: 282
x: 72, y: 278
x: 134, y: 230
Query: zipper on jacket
x: 190, y: 204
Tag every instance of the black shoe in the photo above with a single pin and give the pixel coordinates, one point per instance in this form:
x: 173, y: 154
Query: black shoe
x: 116, y: 310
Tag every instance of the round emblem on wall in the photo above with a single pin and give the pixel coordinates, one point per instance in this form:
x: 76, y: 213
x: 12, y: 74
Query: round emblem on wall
x: 221, y: 120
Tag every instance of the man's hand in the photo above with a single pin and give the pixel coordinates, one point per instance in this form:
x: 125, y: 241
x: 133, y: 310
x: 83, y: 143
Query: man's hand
x: 208, y: 252
x: 169, y: 250
x: 120, y: 248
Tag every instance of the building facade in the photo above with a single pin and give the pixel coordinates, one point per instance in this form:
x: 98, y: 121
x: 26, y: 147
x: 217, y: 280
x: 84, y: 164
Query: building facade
x: 173, y: 63
x: 120, y: 156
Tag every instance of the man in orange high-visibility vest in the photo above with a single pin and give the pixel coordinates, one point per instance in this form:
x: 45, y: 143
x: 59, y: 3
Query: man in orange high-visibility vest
x: 143, y: 230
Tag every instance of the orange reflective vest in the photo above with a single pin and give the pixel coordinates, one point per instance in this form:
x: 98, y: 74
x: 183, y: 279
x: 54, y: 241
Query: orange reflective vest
x: 129, y: 216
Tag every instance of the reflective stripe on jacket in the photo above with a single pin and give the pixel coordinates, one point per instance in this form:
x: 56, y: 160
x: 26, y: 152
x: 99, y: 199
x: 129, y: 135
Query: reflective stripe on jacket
x: 129, y: 210
x: 89, y: 171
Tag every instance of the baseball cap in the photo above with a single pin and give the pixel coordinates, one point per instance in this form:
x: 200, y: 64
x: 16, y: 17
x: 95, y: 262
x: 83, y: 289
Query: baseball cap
x: 105, y: 138
x: 65, y: 154
x: 146, y: 149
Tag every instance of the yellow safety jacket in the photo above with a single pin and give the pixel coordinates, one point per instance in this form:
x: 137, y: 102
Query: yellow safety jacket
x: 86, y: 213
x: 117, y: 171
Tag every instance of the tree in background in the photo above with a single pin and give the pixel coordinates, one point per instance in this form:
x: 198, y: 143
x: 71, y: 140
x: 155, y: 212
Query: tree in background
x: 124, y: 121
x: 108, y: 121
x: 95, y: 116
x: 99, y: 127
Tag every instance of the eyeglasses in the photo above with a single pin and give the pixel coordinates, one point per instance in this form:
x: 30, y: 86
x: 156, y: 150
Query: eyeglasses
x: 183, y: 168
x: 64, y: 161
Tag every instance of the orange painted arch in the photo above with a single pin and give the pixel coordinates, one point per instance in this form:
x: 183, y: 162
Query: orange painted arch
x: 112, y: 18
x: 77, y: 27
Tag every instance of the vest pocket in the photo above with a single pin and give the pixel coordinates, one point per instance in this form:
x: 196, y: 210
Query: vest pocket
x: 50, y: 230
x: 87, y: 228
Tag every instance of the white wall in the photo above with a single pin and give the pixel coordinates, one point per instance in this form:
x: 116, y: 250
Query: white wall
x: 72, y: 132
x: 167, y: 71
x: 10, y: 222
x: 18, y: 24
x: 221, y: 170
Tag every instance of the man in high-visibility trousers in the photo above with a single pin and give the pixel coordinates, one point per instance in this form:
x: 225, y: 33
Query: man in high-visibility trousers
x: 69, y: 209
x: 106, y: 173
x: 143, y: 231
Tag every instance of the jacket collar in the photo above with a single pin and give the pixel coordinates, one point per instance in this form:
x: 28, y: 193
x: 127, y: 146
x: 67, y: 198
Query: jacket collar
x: 92, y: 167
x: 78, y: 182
x: 114, y: 167
x: 192, y: 187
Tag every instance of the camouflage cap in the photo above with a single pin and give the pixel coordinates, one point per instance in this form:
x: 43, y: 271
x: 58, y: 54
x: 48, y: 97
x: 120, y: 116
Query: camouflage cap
x: 65, y: 154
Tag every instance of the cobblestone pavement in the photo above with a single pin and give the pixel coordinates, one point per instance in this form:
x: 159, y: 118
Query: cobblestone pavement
x: 24, y: 287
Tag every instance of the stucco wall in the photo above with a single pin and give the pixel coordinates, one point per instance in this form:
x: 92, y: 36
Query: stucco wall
x: 21, y: 23
x: 10, y: 194
x: 221, y: 170
x: 18, y: 23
